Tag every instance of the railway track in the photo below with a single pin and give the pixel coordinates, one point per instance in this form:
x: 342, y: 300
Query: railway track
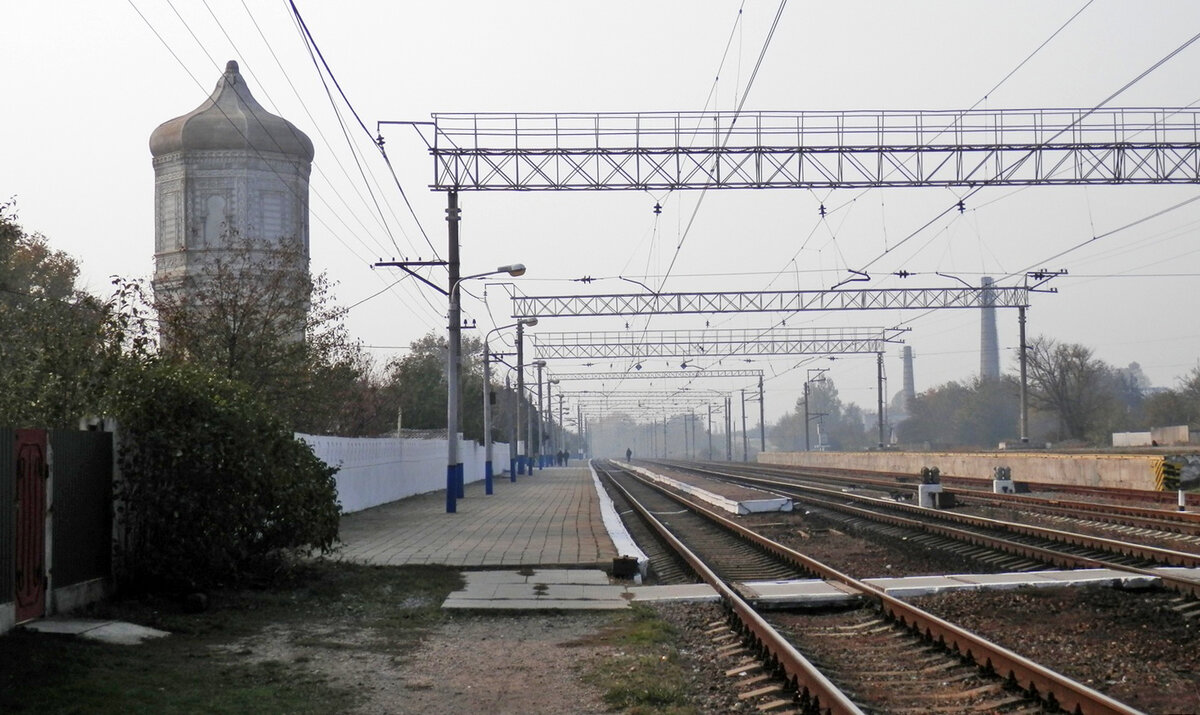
x: 890, y: 657
x: 1169, y: 521
x: 1059, y: 548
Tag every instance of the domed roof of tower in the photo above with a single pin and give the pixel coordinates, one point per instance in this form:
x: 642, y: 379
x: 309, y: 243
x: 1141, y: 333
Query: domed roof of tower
x: 231, y: 119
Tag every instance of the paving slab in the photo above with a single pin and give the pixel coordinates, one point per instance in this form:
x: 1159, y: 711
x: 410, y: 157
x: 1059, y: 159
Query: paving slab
x: 802, y: 592
x: 552, y: 589
x: 551, y: 518
x: 692, y: 593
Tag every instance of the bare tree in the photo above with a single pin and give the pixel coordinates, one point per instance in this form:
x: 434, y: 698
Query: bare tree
x: 1067, y: 380
x: 255, y: 315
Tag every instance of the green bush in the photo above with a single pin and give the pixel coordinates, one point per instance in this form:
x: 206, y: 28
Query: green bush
x: 213, y: 489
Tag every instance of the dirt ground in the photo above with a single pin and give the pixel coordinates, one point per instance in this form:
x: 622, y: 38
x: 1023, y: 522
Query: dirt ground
x: 495, y: 663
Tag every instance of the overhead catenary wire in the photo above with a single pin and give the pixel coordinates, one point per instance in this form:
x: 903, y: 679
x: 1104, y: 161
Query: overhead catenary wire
x: 312, y: 41
x: 235, y: 126
x: 1083, y: 116
x: 314, y: 123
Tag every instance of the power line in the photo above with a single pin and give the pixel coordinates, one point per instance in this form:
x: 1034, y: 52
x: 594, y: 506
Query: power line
x: 238, y: 129
x: 315, y: 48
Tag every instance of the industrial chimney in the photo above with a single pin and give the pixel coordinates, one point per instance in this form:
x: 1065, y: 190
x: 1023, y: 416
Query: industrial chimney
x: 910, y: 390
x: 989, y: 343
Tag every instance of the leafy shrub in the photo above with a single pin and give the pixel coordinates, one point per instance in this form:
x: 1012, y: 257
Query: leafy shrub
x: 213, y: 489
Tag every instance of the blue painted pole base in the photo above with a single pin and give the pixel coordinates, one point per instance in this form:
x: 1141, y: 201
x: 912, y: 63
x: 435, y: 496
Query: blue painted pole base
x: 451, y: 490
x: 487, y: 477
x: 512, y: 470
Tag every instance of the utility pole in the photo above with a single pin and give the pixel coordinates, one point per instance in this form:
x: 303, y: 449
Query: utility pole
x: 454, y: 484
x: 1024, y: 427
x: 521, y: 458
x: 710, y: 452
x: 879, y: 361
x: 728, y: 429
x: 745, y: 438
x: 762, y: 418
x: 514, y: 430
x: 807, y: 445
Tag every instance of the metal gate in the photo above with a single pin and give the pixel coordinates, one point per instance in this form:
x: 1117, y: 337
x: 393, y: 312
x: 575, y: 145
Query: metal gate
x: 30, y: 540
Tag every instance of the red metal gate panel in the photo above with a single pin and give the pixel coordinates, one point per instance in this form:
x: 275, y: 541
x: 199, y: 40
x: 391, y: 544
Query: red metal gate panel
x: 30, y: 534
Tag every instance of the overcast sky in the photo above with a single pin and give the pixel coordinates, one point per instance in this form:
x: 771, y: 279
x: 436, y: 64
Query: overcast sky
x: 87, y: 82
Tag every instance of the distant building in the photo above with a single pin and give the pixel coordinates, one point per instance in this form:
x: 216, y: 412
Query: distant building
x: 228, y: 174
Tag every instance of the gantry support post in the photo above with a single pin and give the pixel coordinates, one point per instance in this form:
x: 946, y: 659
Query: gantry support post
x: 454, y: 340
x: 879, y: 382
x: 745, y: 437
x: 762, y: 418
x: 1024, y: 426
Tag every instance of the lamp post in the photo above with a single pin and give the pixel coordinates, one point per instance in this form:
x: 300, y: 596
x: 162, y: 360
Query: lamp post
x: 487, y: 401
x: 539, y: 364
x: 454, y: 474
x: 521, y: 458
x: 553, y: 443
x: 819, y: 378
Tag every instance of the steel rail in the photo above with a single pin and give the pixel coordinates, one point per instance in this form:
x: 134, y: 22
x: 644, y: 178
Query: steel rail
x: 1183, y: 522
x: 1032, y: 677
x: 1180, y: 522
x: 1169, y: 557
x: 816, y: 691
x: 1144, y: 495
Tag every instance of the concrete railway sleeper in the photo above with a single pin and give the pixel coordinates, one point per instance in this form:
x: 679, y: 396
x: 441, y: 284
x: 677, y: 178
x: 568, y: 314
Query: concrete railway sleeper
x: 1028, y: 686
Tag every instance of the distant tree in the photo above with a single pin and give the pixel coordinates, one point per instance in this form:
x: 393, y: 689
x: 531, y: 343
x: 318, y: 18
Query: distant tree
x: 418, y: 383
x: 53, y: 349
x: 1175, y: 406
x: 1068, y: 381
x: 256, y: 316
x: 978, y: 414
x: 843, y: 426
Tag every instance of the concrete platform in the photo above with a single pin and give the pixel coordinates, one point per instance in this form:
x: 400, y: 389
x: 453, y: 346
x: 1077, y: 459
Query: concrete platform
x: 551, y: 518
x: 722, y: 495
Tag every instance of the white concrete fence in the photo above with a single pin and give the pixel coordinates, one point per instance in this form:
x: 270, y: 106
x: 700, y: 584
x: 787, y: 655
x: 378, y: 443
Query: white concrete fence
x: 374, y: 471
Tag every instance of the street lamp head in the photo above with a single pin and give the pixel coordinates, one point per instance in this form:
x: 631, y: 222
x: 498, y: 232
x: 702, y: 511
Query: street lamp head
x: 514, y: 269
x: 539, y: 363
x: 529, y: 322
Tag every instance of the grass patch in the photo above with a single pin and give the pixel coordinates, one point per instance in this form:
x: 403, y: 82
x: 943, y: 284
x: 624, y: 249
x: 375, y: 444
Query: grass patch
x: 643, y: 674
x: 209, y: 663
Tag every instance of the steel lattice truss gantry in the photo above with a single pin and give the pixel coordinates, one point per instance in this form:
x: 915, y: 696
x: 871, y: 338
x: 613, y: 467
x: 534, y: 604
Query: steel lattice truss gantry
x: 527, y: 306
x: 649, y: 400
x: 727, y: 150
x: 658, y: 374
x: 711, y: 343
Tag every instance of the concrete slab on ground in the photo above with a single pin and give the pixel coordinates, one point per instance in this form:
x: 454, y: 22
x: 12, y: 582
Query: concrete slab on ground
x: 1179, y: 572
x: 116, y: 632
x: 726, y: 497
x: 688, y: 593
x: 551, y: 590
x: 806, y: 592
x: 913, y: 586
x: 579, y: 589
